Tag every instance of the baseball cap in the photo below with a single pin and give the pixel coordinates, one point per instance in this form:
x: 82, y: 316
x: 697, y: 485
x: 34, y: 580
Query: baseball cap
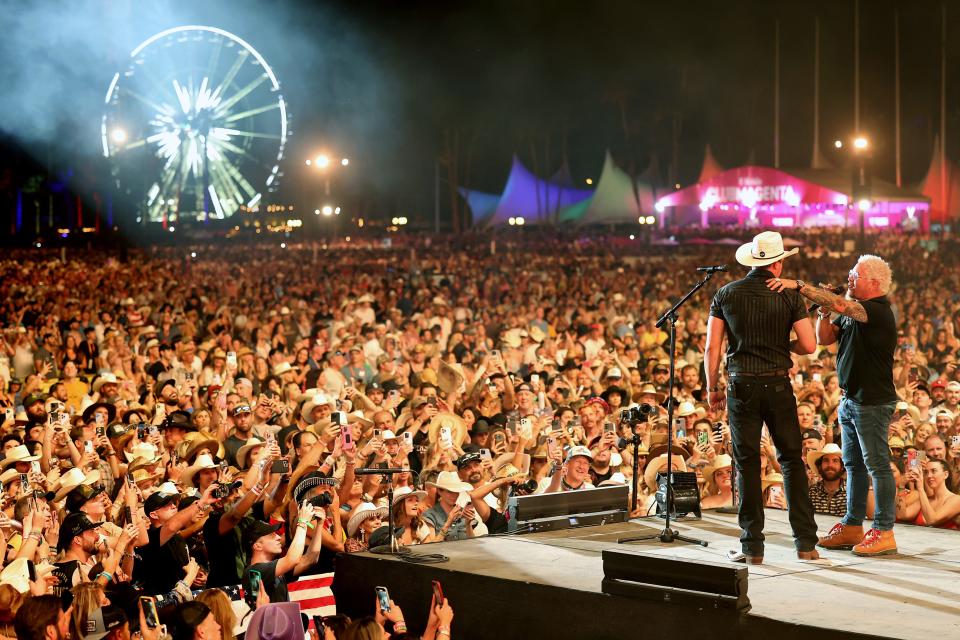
x: 466, y: 459
x: 811, y: 433
x: 524, y: 386
x: 72, y: 526
x: 240, y: 408
x: 257, y: 530
x: 33, y: 398
x: 614, y: 372
x: 80, y: 496
x: 102, y: 621
x: 158, y: 500
x: 579, y: 450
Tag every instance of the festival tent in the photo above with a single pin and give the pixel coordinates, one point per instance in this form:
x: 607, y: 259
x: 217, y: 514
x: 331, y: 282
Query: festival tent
x: 535, y: 200
x: 615, y: 200
x: 762, y: 196
x: 482, y: 205
x: 932, y: 188
x: 710, y: 167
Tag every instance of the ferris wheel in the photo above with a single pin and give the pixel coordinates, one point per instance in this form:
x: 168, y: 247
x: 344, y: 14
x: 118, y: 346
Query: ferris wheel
x: 195, y: 126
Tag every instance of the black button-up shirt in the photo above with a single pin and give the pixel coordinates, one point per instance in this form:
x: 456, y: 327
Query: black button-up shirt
x: 758, y: 323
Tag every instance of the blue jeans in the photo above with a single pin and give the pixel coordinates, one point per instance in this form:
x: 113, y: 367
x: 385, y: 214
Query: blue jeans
x: 866, y: 455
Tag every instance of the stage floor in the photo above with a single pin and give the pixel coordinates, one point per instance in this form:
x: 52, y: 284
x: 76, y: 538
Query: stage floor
x: 915, y: 594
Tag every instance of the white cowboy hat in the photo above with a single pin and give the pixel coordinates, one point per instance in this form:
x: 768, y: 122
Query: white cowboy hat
x: 765, y: 248
x: 686, y: 409
x: 450, y: 481
x: 830, y: 449
x: 19, y: 453
x: 143, y: 450
x: 104, y: 378
x: 71, y: 480
x: 361, y: 514
x: 282, y: 368
x: 614, y: 480
x: 244, y: 450
x: 403, y: 493
x: 771, y: 479
x: 318, y: 400
x: 722, y: 461
x: 204, y: 461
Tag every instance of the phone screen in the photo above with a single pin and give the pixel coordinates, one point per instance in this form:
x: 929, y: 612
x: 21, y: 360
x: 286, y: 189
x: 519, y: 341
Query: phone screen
x: 254, y: 580
x: 437, y: 593
x: 463, y: 499
x: 703, y: 437
x: 149, y: 607
x: 383, y: 597
x: 31, y: 571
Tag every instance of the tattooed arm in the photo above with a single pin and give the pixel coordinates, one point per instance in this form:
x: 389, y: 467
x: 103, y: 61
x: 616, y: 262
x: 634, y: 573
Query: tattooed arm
x: 826, y: 299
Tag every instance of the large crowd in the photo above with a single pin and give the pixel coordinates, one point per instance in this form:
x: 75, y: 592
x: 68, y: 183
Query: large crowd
x: 180, y: 422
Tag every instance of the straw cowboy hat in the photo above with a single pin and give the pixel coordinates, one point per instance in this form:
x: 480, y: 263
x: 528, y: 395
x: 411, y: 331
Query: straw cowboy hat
x: 503, y: 466
x: 765, y: 248
x: 71, y: 480
x: 143, y: 450
x: 204, y: 461
x: 658, y: 464
x: 361, y: 514
x: 317, y: 400
x: 722, y: 461
x: 245, y: 449
x: 449, y: 378
x: 648, y: 389
x: 19, y: 453
x: 458, y: 428
x: 403, y: 493
x: 450, y: 481
x: 830, y: 449
x: 686, y: 409
x: 104, y: 378
x: 282, y: 368
x: 197, y: 441
x: 771, y: 479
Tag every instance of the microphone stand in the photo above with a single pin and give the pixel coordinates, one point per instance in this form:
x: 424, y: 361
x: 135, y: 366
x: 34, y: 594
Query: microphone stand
x: 393, y: 547
x: 668, y: 535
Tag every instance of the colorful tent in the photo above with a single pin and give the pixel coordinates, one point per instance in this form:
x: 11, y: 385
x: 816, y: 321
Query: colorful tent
x: 536, y: 201
x: 482, y: 205
x: 932, y: 188
x: 710, y: 166
x: 618, y: 199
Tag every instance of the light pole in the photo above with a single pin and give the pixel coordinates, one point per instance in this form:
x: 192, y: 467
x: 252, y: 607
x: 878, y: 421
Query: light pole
x: 860, y: 190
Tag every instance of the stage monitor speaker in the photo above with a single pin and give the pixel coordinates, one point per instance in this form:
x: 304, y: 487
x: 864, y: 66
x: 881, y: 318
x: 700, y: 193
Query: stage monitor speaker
x: 566, y: 509
x: 686, y: 495
x: 665, y: 579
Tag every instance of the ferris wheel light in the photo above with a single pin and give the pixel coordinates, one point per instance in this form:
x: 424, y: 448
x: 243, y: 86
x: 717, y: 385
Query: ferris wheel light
x: 118, y: 135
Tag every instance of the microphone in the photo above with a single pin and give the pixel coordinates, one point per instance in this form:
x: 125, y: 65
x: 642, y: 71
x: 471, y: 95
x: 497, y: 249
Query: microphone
x: 834, y: 290
x: 713, y: 269
x: 376, y: 472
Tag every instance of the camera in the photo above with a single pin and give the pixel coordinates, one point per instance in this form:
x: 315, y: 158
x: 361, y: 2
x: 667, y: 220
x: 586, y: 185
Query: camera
x: 323, y: 500
x: 640, y: 413
x: 221, y: 490
x: 525, y: 488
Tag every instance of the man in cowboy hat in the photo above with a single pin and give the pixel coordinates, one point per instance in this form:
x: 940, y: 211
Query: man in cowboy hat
x: 866, y: 334
x: 828, y: 494
x: 757, y: 324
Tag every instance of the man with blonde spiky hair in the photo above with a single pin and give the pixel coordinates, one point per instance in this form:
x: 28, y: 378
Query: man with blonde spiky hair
x: 866, y: 331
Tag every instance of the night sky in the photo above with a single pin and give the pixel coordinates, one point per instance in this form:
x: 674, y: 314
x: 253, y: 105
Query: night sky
x: 387, y: 83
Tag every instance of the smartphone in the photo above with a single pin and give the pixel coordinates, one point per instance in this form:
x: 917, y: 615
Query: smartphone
x: 463, y: 499
x: 254, y: 580
x: 914, y: 375
x: 377, y: 433
x: 35, y: 467
x: 526, y: 428
x: 154, y: 429
x: 149, y: 606
x: 346, y: 438
x: 31, y: 570
x: 913, y: 462
x: 393, y: 394
x: 798, y: 379
x: 703, y: 437
x: 101, y: 421
x: 486, y: 455
x: 955, y: 441
x: 281, y: 466
x: 534, y: 378
x: 53, y: 417
x: 494, y: 353
x: 432, y: 401
x: 24, y: 483
x: 437, y: 593
x: 88, y: 446
x: 679, y: 426
x: 319, y: 627
x: 339, y: 417
x: 817, y: 377
x: 408, y: 438
x: 776, y: 491
x: 445, y: 438
x: 499, y: 438
x: 130, y: 479
x: 127, y: 516
x: 609, y: 427
x: 231, y: 358
x: 383, y: 598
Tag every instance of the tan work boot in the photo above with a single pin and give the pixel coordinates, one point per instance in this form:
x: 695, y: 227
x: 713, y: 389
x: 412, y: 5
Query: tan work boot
x: 842, y: 537
x: 876, y: 543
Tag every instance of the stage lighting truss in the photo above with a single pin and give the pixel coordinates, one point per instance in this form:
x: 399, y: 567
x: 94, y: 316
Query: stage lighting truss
x: 195, y: 125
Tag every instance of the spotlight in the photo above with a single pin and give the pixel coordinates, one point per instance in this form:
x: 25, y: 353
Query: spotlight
x: 118, y: 135
x: 327, y: 210
x: 345, y: 162
x: 322, y: 161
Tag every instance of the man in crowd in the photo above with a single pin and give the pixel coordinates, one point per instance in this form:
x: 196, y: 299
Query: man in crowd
x: 828, y: 494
